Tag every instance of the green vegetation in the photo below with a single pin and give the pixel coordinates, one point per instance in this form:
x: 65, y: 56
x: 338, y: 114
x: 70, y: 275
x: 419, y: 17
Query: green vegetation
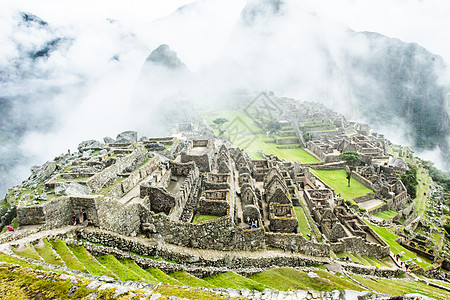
x: 13, y: 260
x: 90, y: 263
x: 201, y: 218
x: 188, y: 293
x: 337, y: 180
x: 409, y: 179
x: 132, y: 266
x: 187, y: 279
x: 106, y: 189
x: 389, y: 238
x: 290, y: 279
x: 28, y: 252
x: 111, y: 263
x: 351, y: 158
x: 387, y: 214
x: 243, y: 132
x: 67, y: 256
x: 397, y: 288
x: 303, y: 225
x: 234, y: 281
x: 46, y: 252
x: 161, y: 276
x: 18, y: 283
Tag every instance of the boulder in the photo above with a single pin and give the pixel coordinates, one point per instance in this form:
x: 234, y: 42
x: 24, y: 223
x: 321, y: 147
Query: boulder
x: 155, y: 147
x: 70, y: 189
x: 127, y: 137
x: 108, y: 140
x: 90, y: 145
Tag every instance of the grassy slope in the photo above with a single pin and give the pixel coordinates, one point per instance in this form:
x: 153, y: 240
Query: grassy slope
x: 397, y: 288
x: 124, y: 274
x: 187, y: 279
x: 239, y: 131
x: 90, y: 263
x: 69, y: 259
x: 167, y: 290
x: 163, y: 277
x: 13, y: 260
x: 46, y: 252
x: 145, y: 276
x: 337, y: 180
x: 18, y: 283
x: 389, y: 237
x: 28, y: 252
x: 234, y: 281
x: 291, y: 279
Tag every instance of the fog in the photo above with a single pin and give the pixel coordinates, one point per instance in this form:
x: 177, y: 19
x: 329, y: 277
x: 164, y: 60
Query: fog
x: 87, y: 87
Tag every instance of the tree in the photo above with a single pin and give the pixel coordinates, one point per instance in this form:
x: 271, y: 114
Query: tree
x: 219, y: 122
x: 272, y: 126
x: 351, y: 158
x: 409, y: 179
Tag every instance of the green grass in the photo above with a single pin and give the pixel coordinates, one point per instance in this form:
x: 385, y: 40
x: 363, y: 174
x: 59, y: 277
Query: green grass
x: 234, y: 281
x: 132, y: 266
x: 398, y: 288
x: 167, y: 290
x: 46, y: 252
x: 111, y: 263
x: 245, y: 135
x: 19, y: 283
x: 28, y: 252
x: 14, y: 260
x: 390, y: 237
x: 387, y: 214
x: 302, y: 221
x: 338, y: 181
x: 163, y: 277
x: 90, y: 263
x: 106, y: 189
x: 201, y: 218
x: 69, y: 259
x: 290, y: 279
x: 187, y: 279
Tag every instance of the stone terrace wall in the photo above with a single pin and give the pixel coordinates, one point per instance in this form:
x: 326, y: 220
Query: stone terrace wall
x: 220, y: 234
x: 108, y: 175
x: 361, y: 179
x: 300, y: 244
x: 160, y: 200
x: 359, y: 246
x: 367, y: 197
x: 115, y: 217
x: 213, y: 207
x: 117, y: 243
x: 31, y: 215
x: 133, y: 179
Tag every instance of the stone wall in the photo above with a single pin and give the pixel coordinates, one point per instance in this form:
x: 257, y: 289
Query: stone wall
x: 213, y: 207
x: 330, y: 167
x: 31, y: 215
x: 366, y: 197
x: 115, y: 217
x: 287, y: 141
x: 282, y: 218
x: 378, y: 209
x: 7, y: 215
x: 108, y: 175
x: 358, y: 245
x: 300, y: 244
x: 58, y: 212
x: 133, y: 179
x: 361, y: 179
x: 160, y: 199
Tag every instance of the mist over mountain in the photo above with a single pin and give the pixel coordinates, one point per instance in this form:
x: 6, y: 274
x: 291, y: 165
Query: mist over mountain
x: 60, y: 85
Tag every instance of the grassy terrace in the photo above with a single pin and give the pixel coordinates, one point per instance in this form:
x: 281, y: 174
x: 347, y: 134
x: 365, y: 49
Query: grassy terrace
x: 397, y: 288
x: 390, y: 237
x: 201, y: 218
x: 290, y: 279
x: 338, y: 181
x: 46, y: 252
x: 302, y: 221
x: 234, y: 281
x: 387, y: 214
x: 244, y: 133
